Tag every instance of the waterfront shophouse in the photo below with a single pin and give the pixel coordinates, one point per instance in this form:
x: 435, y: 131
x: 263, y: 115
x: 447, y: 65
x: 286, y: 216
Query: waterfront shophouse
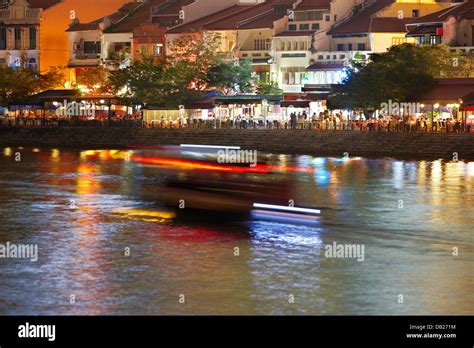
x: 452, y: 26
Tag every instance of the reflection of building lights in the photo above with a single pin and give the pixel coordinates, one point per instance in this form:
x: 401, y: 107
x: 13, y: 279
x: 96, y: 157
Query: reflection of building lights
x: 436, y: 171
x: 36, y: 150
x: 55, y: 153
x: 211, y: 146
x: 470, y: 169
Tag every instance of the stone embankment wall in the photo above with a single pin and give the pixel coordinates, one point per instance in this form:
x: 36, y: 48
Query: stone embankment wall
x: 402, y: 145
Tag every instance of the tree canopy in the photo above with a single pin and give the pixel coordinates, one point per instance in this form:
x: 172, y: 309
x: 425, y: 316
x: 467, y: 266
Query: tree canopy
x: 17, y: 83
x: 401, y: 74
x: 194, y: 65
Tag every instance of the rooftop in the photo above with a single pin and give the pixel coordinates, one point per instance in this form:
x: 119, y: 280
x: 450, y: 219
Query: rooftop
x: 308, y: 5
x: 114, y: 18
x: 170, y: 7
x: 44, y: 4
x: 460, y: 11
x: 296, y: 33
x: 361, y: 21
x: 239, y: 16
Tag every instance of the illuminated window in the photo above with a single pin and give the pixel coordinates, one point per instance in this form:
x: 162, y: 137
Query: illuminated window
x: 158, y: 50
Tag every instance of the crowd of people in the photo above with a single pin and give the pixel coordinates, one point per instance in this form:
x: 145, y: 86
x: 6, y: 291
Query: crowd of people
x: 325, y: 121
x: 322, y: 122
x: 100, y: 119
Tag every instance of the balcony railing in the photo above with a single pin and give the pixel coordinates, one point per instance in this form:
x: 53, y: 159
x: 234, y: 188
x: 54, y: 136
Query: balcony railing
x: 255, y: 53
x: 86, y: 56
x: 5, y: 14
x: 32, y: 13
x: 29, y: 14
x: 463, y: 49
x: 340, y: 56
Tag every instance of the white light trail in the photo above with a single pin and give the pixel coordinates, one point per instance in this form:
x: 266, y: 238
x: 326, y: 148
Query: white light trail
x: 285, y: 208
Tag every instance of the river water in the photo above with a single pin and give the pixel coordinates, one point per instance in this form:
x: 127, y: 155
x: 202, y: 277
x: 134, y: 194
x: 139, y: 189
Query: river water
x: 106, y: 245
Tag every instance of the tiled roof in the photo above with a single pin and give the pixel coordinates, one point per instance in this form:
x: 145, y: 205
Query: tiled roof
x: 361, y: 22
x: 371, y: 19
x: 262, y: 22
x: 201, y: 23
x: 114, y: 18
x: 44, y: 4
x: 170, y: 7
x: 133, y: 14
x: 258, y: 16
x: 389, y: 25
x: 464, y: 10
x: 307, y: 5
x: 84, y: 26
x: 139, y: 15
x: 296, y: 33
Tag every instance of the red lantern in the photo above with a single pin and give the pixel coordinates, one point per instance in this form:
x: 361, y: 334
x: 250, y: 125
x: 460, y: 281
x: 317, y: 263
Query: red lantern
x: 439, y: 31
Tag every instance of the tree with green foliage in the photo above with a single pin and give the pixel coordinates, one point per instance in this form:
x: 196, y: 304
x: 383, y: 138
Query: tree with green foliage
x: 401, y: 74
x: 230, y: 77
x: 194, y: 65
x: 95, y: 80
x: 16, y: 84
x: 266, y: 88
x: 141, y: 82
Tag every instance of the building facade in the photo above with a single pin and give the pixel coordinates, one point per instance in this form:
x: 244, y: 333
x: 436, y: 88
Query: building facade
x: 20, y: 23
x: 452, y: 26
x: 302, y: 45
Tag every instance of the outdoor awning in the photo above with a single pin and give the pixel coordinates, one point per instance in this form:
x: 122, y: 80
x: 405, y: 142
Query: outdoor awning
x: 24, y: 107
x: 326, y: 66
x: 448, y: 91
x: 422, y: 30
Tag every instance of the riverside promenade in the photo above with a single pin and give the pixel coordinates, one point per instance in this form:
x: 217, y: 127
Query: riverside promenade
x: 332, y: 143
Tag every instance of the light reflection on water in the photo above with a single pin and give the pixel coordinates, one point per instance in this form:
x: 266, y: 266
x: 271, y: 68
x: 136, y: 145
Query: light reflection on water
x: 408, y: 214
